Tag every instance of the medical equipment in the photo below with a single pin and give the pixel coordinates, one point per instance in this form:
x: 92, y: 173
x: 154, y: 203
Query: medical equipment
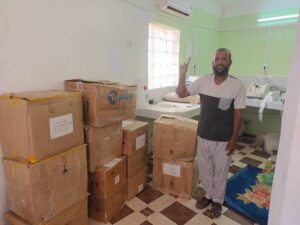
x: 257, y: 90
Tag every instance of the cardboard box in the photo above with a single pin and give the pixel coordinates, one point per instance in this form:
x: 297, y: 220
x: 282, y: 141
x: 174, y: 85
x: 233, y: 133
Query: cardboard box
x: 106, y: 180
x: 105, y: 102
x: 38, y: 192
x: 77, y: 214
x: 174, y: 138
x: 135, y: 136
x: 104, y: 209
x: 175, y: 177
x: 137, y: 183
x: 37, y: 125
x: 104, y: 144
x: 136, y: 162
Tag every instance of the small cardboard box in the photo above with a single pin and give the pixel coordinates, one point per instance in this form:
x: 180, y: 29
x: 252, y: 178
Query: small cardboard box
x: 135, y: 136
x: 174, y: 138
x: 105, y: 102
x: 38, y: 192
x: 104, y: 144
x: 37, y: 125
x: 137, y: 183
x: 104, y: 209
x: 77, y: 214
x: 106, y: 180
x: 136, y: 162
x: 175, y: 177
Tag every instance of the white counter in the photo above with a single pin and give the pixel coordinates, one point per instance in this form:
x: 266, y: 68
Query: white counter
x: 165, y: 107
x: 269, y: 105
x: 188, y: 110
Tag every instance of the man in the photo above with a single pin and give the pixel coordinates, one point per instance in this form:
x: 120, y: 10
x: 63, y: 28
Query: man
x: 222, y: 100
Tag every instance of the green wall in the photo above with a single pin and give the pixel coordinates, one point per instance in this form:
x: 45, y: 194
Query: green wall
x: 202, y: 31
x: 253, y: 45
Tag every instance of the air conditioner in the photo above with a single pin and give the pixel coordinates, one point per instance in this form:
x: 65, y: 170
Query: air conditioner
x: 182, y: 8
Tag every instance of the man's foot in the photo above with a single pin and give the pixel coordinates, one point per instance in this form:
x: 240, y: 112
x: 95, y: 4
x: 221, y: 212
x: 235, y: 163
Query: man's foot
x: 203, y: 202
x: 216, y: 210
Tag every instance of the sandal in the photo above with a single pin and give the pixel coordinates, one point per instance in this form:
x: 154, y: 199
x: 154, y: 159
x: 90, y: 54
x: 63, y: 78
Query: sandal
x: 203, y: 202
x: 216, y: 210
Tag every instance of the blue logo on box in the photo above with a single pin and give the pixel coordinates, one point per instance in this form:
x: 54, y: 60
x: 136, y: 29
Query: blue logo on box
x: 114, y: 98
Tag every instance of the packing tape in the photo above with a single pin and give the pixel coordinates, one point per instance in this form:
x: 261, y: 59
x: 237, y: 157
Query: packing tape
x: 32, y: 159
x: 79, y: 85
x: 14, y: 152
x: 13, y: 98
x: 77, y: 148
x: 11, y: 103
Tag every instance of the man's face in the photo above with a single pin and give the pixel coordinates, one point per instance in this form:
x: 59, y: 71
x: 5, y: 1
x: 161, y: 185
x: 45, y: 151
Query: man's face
x: 221, y: 63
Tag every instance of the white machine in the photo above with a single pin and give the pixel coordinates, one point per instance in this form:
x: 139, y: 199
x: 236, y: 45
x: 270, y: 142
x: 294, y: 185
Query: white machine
x: 257, y: 90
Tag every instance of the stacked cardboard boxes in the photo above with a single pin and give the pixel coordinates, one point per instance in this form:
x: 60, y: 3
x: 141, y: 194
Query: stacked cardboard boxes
x: 174, y: 144
x: 135, y: 148
x: 107, y: 186
x: 44, y: 155
x: 105, y: 105
x: 104, y: 144
x: 105, y: 102
x: 74, y: 215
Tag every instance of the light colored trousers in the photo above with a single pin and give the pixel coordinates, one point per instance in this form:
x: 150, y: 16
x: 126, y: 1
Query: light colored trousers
x: 213, y: 167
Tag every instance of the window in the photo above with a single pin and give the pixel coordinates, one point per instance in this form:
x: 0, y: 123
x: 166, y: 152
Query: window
x: 163, y: 56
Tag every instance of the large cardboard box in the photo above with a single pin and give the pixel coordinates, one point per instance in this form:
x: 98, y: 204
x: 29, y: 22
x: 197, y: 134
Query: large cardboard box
x: 137, y: 183
x: 175, y: 177
x: 135, y: 136
x: 105, y: 102
x: 104, y: 144
x: 136, y: 162
x: 174, y: 138
x: 38, y: 192
x: 77, y: 214
x: 37, y: 125
x: 104, y: 209
x: 106, y: 180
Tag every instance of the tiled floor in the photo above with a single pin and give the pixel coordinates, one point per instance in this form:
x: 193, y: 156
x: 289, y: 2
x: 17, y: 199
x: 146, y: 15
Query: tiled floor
x: 152, y: 207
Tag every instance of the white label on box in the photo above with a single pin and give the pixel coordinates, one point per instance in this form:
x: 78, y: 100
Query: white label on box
x: 140, y: 141
x: 117, y: 179
x: 171, y: 169
x: 112, y: 163
x: 126, y: 123
x: 79, y: 85
x: 61, y: 125
x: 140, y: 187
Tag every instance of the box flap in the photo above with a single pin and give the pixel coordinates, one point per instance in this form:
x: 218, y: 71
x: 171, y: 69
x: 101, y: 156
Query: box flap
x: 133, y: 125
x: 23, y: 161
x: 92, y: 81
x: 106, y: 82
x: 177, y: 121
x: 39, y: 96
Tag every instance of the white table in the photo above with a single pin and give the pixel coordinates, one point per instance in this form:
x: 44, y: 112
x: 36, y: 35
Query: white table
x: 269, y: 105
x: 174, y: 108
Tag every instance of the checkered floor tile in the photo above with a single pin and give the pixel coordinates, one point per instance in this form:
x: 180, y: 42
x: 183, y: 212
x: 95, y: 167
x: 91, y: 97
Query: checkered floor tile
x: 152, y: 207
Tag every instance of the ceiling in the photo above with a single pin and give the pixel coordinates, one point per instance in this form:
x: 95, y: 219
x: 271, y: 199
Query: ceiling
x: 242, y: 7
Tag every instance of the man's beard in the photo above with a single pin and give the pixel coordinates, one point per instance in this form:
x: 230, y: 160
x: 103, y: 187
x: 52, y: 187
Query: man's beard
x: 221, y: 73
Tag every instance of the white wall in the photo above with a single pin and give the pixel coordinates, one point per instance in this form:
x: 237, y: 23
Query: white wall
x: 45, y: 42
x: 42, y: 43
x: 2, y: 192
x: 285, y: 201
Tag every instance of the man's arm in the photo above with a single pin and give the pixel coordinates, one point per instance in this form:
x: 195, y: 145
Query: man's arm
x: 181, y: 90
x: 237, y: 121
